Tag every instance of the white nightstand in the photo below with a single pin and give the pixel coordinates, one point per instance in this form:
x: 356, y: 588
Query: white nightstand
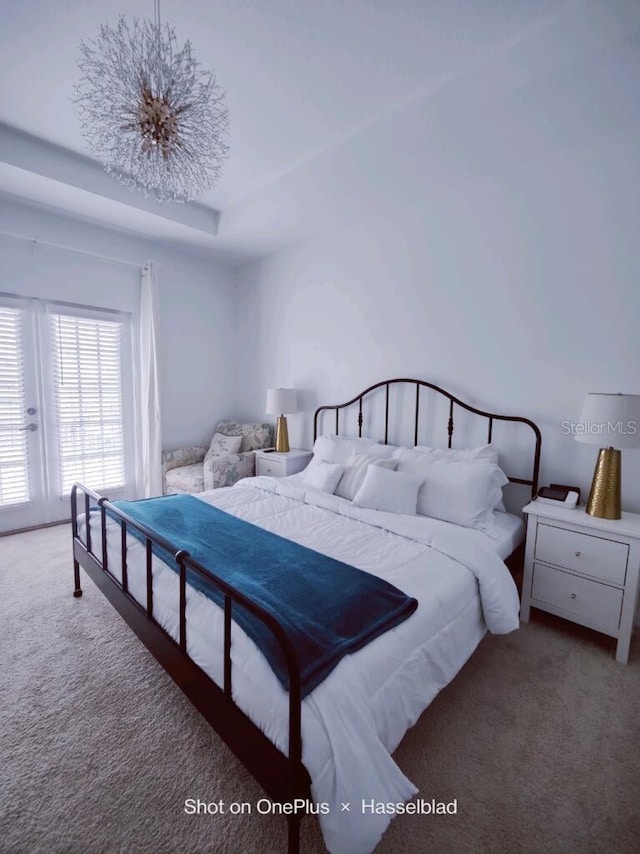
x: 583, y: 568
x: 275, y: 464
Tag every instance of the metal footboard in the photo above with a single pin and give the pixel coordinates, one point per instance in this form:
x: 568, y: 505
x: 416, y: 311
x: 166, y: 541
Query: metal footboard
x: 284, y: 778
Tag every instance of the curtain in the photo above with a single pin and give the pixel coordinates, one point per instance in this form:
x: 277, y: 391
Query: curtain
x: 149, y: 474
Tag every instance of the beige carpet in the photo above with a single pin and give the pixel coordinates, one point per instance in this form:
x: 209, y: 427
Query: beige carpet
x: 538, y: 738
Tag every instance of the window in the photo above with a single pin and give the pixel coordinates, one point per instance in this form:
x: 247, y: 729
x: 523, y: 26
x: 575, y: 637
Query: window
x: 14, y: 460
x: 87, y: 391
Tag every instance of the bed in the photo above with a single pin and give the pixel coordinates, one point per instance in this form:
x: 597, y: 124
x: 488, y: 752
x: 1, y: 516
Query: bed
x: 332, y: 745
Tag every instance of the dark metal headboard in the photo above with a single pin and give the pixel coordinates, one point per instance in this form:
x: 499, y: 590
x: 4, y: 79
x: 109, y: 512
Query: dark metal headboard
x: 453, y: 401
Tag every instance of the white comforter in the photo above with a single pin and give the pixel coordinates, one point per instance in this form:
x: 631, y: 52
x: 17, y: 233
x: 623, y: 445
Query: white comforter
x: 351, y: 722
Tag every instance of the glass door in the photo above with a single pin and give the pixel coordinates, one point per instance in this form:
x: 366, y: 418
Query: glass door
x: 66, y: 410
x: 21, y: 450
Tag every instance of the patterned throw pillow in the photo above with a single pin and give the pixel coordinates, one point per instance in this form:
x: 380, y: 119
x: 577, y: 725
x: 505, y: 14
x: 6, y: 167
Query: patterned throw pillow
x: 222, y: 445
x: 254, y: 435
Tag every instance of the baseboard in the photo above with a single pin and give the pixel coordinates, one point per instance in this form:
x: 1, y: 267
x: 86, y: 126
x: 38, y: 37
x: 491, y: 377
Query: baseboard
x: 35, y: 528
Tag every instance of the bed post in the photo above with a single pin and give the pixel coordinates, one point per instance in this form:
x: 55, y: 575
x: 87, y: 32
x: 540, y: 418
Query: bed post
x: 293, y: 844
x: 76, y: 579
x: 77, y: 592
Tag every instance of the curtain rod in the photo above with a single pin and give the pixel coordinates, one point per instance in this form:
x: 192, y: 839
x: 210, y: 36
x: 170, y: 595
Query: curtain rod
x: 36, y: 241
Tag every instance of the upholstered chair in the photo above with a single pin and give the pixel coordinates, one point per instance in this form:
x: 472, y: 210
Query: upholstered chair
x: 196, y: 469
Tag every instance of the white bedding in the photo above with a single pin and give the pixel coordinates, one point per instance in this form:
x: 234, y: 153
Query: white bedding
x: 352, y: 721
x: 506, y: 536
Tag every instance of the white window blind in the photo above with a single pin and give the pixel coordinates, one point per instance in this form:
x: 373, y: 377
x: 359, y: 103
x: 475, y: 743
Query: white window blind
x: 87, y: 387
x: 14, y: 461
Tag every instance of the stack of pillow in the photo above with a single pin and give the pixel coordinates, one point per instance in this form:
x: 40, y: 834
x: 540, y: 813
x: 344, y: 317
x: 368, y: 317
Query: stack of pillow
x: 462, y: 486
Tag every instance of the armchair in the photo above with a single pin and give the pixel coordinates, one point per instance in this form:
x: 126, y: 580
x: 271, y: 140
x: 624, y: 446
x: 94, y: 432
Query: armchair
x: 196, y: 469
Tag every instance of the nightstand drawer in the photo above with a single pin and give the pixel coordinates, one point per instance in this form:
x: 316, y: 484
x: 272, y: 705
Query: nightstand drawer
x: 584, y: 553
x: 270, y: 468
x: 584, y: 600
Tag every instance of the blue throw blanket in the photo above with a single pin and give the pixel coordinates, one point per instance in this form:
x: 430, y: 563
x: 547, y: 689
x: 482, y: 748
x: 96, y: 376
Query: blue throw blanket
x: 327, y: 608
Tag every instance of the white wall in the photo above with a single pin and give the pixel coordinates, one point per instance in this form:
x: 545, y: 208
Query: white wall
x: 505, y: 268
x: 196, y: 305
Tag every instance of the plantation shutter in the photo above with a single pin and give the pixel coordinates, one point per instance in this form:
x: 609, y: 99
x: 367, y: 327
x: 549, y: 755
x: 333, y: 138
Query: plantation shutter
x: 14, y: 460
x: 87, y: 392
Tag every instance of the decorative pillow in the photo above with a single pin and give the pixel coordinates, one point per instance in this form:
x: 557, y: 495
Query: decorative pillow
x: 388, y: 490
x: 355, y: 471
x: 338, y: 449
x: 320, y: 474
x: 460, y: 491
x: 222, y: 445
x: 254, y: 435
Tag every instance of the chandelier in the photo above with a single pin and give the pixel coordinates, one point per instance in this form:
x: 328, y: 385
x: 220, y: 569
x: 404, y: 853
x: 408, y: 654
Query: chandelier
x: 148, y: 111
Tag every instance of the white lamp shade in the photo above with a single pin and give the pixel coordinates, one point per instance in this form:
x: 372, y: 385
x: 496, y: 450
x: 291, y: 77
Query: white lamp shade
x: 281, y: 401
x: 610, y: 420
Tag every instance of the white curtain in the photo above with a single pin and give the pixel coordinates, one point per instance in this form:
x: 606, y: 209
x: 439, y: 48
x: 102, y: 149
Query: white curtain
x: 149, y: 474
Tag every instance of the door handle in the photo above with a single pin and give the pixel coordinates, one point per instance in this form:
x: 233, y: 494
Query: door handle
x: 30, y: 427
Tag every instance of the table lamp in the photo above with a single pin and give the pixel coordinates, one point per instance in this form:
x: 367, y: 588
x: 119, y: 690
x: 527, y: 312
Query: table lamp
x: 609, y: 420
x: 279, y: 401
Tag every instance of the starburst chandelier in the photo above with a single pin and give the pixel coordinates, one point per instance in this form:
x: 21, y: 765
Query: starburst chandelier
x: 148, y: 111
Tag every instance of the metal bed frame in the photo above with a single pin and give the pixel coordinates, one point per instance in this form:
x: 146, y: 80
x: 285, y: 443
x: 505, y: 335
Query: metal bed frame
x: 284, y: 778
x: 490, y: 416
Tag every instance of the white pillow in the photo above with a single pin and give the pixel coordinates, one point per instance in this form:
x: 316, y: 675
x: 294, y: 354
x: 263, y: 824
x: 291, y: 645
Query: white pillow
x: 338, y: 449
x: 222, y: 445
x: 388, y: 490
x: 482, y: 452
x: 460, y: 491
x: 355, y: 471
x: 320, y: 474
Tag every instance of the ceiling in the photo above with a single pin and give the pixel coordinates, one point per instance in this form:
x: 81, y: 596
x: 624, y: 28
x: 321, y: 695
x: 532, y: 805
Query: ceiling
x: 305, y: 81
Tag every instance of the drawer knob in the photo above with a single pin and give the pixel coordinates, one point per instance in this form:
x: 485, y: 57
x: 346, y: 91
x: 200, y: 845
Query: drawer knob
x: 577, y: 554
x: 573, y: 595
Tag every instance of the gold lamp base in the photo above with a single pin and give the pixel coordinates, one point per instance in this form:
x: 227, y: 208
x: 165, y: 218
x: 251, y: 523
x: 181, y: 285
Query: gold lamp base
x: 605, y: 496
x: 282, y: 435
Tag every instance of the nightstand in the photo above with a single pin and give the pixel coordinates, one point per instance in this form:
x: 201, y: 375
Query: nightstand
x: 583, y: 568
x: 275, y: 464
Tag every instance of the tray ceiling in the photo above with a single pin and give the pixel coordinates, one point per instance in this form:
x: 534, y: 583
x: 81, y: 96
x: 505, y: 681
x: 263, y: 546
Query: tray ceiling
x: 303, y: 80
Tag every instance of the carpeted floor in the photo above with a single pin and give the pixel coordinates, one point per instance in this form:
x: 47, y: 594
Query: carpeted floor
x: 538, y: 738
